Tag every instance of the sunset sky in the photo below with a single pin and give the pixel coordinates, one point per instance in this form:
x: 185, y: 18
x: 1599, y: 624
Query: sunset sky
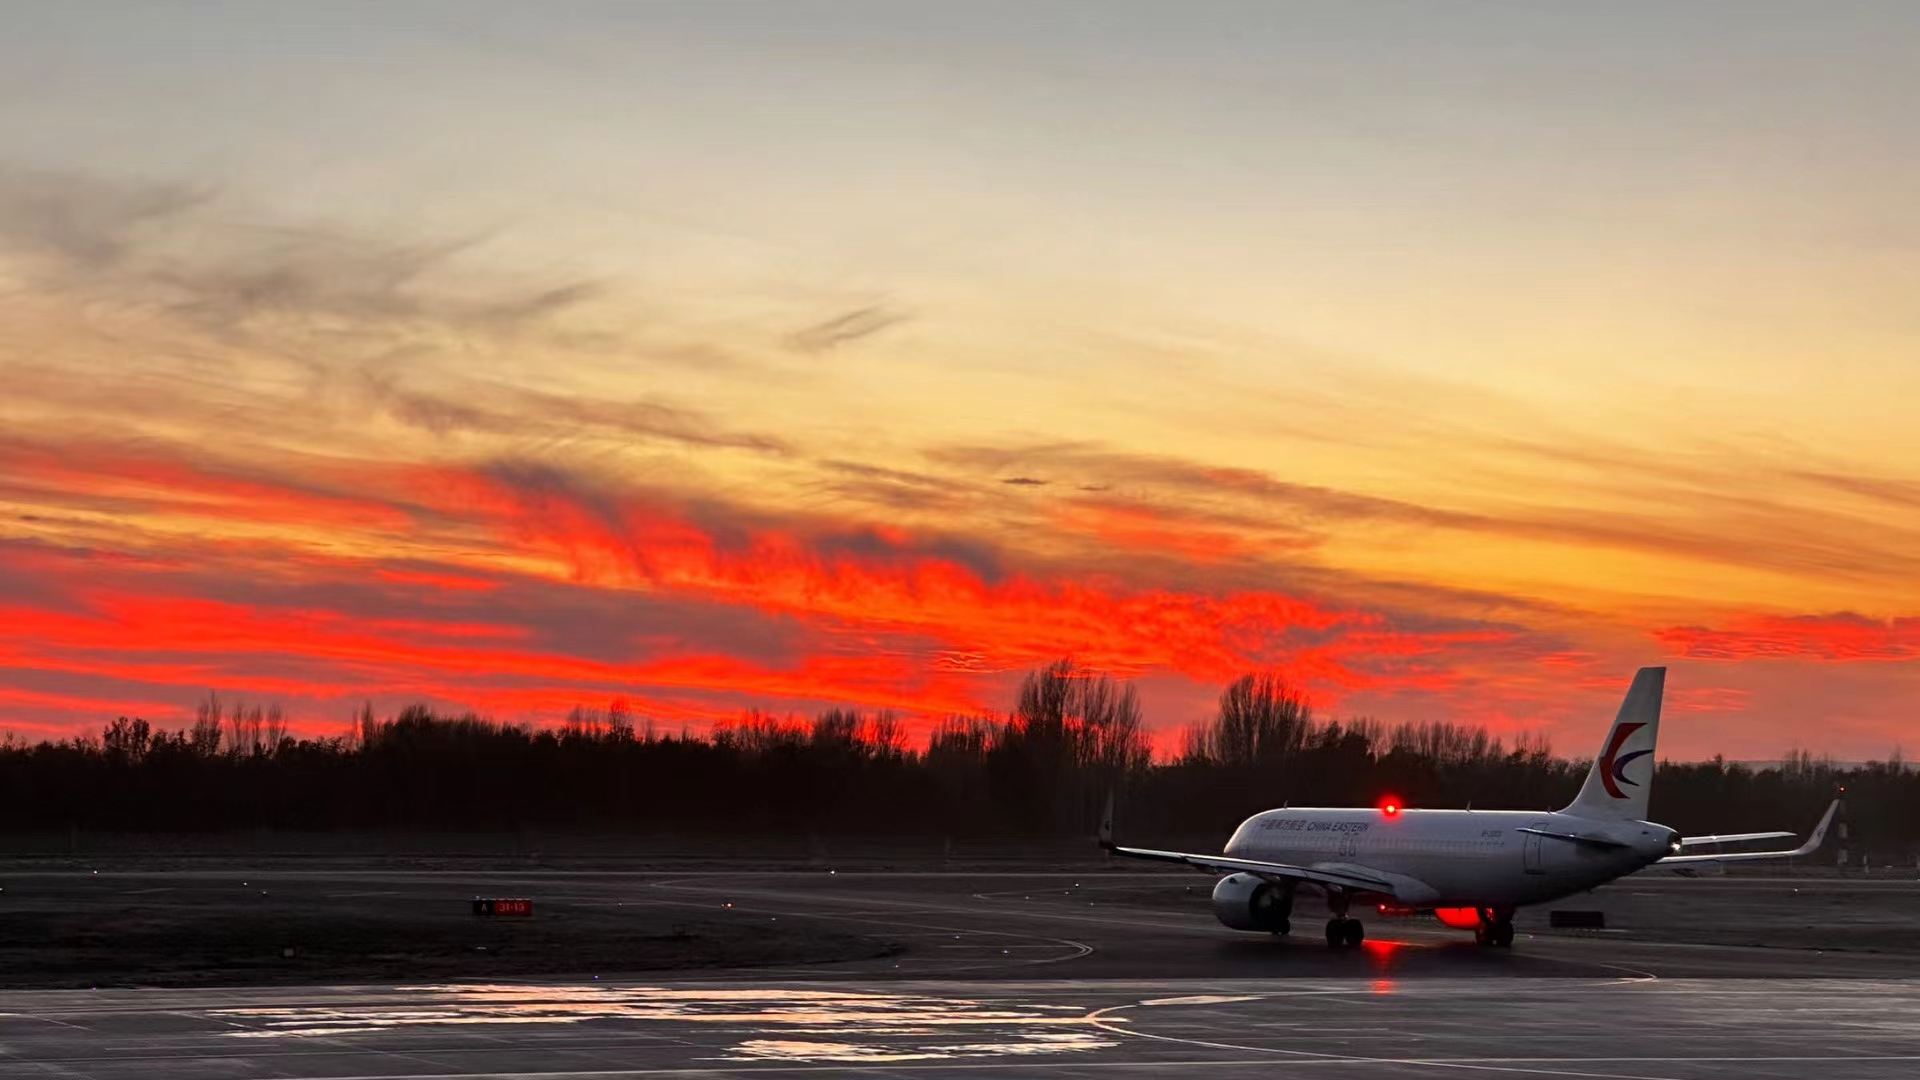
x: 1454, y: 359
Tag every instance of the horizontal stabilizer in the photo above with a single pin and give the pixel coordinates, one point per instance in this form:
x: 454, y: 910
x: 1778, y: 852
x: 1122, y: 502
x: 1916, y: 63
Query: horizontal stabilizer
x: 1575, y: 838
x: 1814, y: 840
x: 1733, y: 838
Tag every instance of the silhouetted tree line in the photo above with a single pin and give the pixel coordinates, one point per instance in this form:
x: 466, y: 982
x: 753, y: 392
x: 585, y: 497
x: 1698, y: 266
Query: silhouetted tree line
x: 1044, y: 769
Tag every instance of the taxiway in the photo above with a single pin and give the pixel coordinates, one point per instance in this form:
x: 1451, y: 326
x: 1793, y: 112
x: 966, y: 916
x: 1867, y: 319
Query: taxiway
x: 1061, y: 974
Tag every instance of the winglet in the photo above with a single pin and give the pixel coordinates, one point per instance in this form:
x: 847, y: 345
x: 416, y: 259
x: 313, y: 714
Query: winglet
x: 1106, y: 824
x: 1819, y: 834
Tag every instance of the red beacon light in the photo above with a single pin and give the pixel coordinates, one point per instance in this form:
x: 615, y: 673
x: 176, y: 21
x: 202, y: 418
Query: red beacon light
x: 1390, y: 806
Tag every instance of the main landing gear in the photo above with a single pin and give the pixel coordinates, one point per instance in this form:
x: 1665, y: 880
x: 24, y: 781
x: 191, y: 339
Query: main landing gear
x: 1342, y: 932
x: 1496, y: 928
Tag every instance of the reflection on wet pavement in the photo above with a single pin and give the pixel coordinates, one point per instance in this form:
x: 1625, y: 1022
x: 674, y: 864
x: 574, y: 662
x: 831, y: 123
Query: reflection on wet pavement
x: 855, y: 1026
x: 1026, y: 1044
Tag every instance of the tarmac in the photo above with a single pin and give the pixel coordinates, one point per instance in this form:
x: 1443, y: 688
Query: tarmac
x: 1057, y: 974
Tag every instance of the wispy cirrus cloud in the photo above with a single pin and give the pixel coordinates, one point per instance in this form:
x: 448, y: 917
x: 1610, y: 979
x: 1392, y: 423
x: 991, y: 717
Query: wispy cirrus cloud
x: 1695, y: 512
x: 192, y: 251
x: 187, y: 306
x: 845, y: 328
x: 467, y: 405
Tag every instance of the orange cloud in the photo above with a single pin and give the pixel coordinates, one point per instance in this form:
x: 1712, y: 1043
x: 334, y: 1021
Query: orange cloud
x: 157, y: 479
x: 1837, y: 638
x: 1134, y: 527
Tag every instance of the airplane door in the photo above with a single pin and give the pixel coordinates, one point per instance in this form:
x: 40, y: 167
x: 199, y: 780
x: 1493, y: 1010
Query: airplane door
x: 1530, y: 851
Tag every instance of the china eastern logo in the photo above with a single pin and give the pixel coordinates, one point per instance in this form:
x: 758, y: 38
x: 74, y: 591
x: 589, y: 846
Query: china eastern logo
x: 1613, y: 764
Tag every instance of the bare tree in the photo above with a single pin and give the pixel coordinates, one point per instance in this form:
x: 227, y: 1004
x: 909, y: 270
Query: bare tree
x: 1804, y: 766
x: 755, y: 732
x: 1107, y: 734
x: 127, y: 740
x: 619, y: 721
x: 1073, y: 735
x: 207, y: 720
x: 1262, y: 719
x: 838, y: 729
x: 366, y: 728
x: 961, y: 740
x: 582, y: 725
x: 273, y: 729
x: 252, y: 730
x: 1532, y: 747
x: 243, y: 730
x: 883, y: 735
x: 1444, y: 743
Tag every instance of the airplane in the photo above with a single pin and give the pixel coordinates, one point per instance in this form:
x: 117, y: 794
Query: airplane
x: 1470, y: 868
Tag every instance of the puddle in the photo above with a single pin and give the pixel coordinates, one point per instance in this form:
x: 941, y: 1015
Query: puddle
x: 1203, y: 999
x: 1026, y: 1045
x: 774, y: 1024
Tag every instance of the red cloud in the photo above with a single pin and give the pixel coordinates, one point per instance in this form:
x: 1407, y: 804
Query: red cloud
x: 1838, y: 638
x: 1014, y: 621
x: 881, y: 616
x: 196, y: 644
x: 16, y: 698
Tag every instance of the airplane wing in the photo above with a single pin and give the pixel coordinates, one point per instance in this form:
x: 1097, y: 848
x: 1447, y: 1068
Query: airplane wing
x: 1341, y: 877
x: 1328, y: 875
x: 1814, y: 840
x: 1732, y: 838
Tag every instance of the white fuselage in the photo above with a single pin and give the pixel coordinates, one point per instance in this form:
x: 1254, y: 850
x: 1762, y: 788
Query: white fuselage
x: 1466, y: 858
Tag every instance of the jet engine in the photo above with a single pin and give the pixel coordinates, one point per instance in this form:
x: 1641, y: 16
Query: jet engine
x: 1246, y: 902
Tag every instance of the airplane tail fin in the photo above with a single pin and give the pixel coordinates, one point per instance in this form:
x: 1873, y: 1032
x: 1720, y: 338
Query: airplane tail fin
x: 1622, y: 775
